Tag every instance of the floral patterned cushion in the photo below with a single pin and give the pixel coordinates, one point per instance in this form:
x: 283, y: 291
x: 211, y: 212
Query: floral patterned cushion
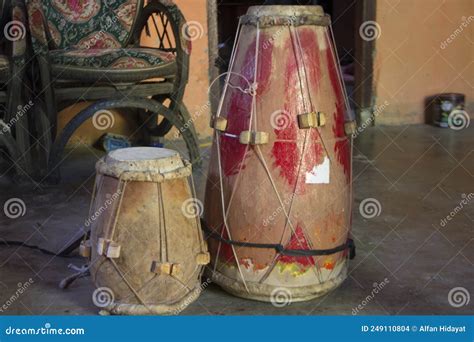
x: 137, y: 63
x: 134, y: 58
x: 83, y: 24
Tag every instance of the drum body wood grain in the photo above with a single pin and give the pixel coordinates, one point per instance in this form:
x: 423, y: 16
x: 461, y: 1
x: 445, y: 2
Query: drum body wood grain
x: 147, y: 248
x: 291, y: 185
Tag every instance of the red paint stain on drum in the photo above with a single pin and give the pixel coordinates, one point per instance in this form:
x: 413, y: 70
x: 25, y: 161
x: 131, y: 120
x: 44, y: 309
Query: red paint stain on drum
x: 334, y: 75
x: 341, y: 147
x: 310, y: 47
x: 226, y: 253
x: 285, y: 153
x: 239, y: 109
x: 265, y: 64
x: 329, y: 265
x: 233, y: 152
x: 246, y: 263
x: 297, y: 241
x: 238, y: 118
x: 317, y: 157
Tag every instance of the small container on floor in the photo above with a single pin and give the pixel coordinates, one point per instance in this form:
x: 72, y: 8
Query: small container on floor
x: 444, y: 105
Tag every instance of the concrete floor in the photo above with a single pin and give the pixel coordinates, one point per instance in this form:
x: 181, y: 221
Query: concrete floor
x: 417, y: 173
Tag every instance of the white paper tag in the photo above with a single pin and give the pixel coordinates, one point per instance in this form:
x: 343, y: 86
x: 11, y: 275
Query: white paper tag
x: 319, y: 174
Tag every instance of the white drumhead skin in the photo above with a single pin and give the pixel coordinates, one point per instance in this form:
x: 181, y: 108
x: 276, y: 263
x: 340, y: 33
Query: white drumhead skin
x: 284, y: 10
x: 141, y: 153
x: 144, y: 159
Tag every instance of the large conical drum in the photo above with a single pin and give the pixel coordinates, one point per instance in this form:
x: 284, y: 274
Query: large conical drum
x: 278, y: 197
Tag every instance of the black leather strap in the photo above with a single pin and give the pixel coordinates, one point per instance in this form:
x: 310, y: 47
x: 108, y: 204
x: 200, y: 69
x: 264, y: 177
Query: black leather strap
x: 281, y: 249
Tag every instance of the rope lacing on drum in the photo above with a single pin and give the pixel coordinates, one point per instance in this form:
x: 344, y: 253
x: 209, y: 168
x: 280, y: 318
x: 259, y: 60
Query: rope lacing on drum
x: 299, y: 58
x: 348, y: 110
x: 110, y: 232
x: 250, y: 90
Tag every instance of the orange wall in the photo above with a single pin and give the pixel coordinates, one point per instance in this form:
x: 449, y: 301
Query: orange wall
x: 410, y: 63
x: 196, y: 97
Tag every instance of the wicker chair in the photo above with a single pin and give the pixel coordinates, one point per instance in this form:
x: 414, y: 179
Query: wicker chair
x: 91, y: 51
x: 14, y: 111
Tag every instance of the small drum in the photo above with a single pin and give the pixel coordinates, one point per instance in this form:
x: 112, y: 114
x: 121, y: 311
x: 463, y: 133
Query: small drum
x: 278, y: 198
x: 146, y: 247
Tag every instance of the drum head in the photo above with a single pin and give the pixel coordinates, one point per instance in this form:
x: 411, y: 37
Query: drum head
x: 143, y: 159
x: 141, y: 153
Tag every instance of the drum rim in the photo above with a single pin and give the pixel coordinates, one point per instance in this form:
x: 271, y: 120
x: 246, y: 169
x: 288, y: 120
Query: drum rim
x: 266, y: 21
x: 300, y: 10
x: 285, y: 15
x: 171, y: 153
x: 129, y: 170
